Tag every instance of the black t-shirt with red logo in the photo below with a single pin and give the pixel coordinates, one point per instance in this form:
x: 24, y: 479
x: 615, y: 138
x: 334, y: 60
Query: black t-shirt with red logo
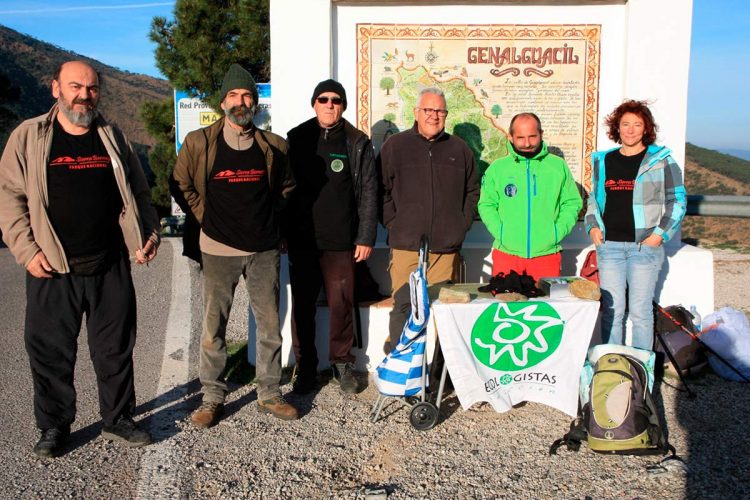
x: 621, y: 172
x: 239, y: 206
x: 84, y: 201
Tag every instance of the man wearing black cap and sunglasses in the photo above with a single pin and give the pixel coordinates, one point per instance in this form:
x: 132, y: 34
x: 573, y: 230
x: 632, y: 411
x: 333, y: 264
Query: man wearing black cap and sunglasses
x: 235, y: 178
x: 330, y: 223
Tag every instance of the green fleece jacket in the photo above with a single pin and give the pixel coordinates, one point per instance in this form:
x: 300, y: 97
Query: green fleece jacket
x: 529, y: 205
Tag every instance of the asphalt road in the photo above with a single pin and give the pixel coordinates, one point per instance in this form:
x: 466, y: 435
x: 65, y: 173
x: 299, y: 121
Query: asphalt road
x: 91, y: 466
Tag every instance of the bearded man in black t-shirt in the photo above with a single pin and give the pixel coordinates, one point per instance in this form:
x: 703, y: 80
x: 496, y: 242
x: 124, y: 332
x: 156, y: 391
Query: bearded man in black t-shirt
x: 234, y: 178
x: 73, y: 204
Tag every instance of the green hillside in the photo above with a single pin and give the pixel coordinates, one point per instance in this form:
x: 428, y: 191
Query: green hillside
x: 721, y: 163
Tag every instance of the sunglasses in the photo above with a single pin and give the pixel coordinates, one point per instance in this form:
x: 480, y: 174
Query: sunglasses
x: 325, y: 99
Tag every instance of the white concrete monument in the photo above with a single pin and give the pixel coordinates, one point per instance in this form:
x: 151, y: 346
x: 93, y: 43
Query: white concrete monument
x: 571, y: 62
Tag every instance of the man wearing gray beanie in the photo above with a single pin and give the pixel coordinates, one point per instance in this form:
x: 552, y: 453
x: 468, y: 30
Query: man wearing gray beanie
x: 330, y: 224
x: 235, y: 178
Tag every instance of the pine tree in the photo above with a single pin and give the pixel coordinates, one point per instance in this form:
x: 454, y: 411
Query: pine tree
x: 158, y: 116
x: 194, y: 51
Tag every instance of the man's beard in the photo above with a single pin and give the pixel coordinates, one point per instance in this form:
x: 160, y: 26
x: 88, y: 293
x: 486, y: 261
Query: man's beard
x: 528, y: 154
x: 240, y: 115
x: 79, y: 118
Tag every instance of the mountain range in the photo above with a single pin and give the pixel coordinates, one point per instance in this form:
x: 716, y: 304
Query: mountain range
x: 27, y: 66
x: 739, y: 153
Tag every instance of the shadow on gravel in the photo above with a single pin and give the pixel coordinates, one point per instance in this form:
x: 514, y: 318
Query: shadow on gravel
x: 303, y: 402
x: 448, y: 407
x: 169, y: 397
x: 160, y: 423
x: 238, y: 404
x: 718, y: 438
x: 83, y: 436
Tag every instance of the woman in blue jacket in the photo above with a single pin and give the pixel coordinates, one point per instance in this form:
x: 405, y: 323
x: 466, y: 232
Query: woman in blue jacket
x: 636, y: 204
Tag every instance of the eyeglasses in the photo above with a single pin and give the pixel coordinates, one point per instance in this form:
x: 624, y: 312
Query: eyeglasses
x: 325, y: 99
x: 430, y: 111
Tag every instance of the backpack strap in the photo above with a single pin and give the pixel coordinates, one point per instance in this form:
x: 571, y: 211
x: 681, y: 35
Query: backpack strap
x: 658, y: 438
x: 573, y: 439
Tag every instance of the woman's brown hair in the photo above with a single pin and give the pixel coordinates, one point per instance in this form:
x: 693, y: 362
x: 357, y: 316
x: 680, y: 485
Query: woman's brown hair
x: 638, y: 108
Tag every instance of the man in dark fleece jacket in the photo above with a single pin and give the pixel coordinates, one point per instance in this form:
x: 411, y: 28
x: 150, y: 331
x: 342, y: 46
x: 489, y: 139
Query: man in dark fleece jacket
x: 330, y: 223
x: 429, y: 188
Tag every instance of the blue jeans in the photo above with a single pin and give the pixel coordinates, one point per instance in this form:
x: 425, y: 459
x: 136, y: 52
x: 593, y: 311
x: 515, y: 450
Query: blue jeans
x: 635, y: 267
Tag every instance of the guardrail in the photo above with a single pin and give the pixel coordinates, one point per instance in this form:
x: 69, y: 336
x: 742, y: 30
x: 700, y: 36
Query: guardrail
x: 698, y: 204
x: 718, y: 205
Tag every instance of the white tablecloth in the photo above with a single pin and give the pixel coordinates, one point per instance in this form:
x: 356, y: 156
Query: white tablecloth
x: 508, y: 352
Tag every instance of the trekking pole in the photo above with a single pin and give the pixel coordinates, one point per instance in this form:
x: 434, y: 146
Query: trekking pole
x: 696, y: 338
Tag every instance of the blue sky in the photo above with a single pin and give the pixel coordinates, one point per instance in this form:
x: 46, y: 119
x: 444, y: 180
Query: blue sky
x: 718, y: 93
x: 116, y: 33
x: 113, y: 32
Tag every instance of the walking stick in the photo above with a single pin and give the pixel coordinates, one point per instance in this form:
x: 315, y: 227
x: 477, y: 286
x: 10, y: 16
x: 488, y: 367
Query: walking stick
x: 695, y: 337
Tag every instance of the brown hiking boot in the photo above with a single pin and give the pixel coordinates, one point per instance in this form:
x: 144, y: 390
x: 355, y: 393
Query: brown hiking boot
x: 279, y: 408
x: 207, y: 414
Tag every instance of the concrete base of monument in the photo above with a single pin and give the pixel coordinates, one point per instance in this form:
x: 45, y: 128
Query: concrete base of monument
x: 686, y: 278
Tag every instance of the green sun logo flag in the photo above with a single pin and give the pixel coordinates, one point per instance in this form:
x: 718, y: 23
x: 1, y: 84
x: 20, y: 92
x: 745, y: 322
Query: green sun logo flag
x: 510, y: 336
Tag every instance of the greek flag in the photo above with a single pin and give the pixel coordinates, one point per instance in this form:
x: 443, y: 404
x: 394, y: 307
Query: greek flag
x: 400, y: 373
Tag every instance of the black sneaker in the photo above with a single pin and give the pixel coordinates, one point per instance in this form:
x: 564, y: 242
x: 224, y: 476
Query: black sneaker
x: 126, y: 431
x: 51, y: 443
x: 343, y: 374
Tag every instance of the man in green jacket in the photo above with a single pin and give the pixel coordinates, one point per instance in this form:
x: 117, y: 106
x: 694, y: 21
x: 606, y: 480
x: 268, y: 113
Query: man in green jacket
x: 235, y: 179
x: 529, y: 203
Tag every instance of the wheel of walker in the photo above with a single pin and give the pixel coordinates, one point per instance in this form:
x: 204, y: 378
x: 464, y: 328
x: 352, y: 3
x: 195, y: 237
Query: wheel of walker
x: 423, y: 416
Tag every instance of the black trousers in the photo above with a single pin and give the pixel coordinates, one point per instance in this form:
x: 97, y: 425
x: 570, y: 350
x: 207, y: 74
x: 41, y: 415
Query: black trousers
x: 54, y: 312
x: 308, y: 271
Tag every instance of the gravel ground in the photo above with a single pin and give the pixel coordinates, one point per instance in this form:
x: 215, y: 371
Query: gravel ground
x: 334, y: 451
x: 732, y: 280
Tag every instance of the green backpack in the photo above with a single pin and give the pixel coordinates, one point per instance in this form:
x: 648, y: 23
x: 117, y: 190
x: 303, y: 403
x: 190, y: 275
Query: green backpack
x: 617, y: 415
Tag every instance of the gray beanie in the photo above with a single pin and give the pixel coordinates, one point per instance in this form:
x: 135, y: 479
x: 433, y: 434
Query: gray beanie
x: 329, y: 86
x: 238, y: 77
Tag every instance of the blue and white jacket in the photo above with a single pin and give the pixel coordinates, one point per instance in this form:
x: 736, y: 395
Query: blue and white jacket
x: 659, y: 196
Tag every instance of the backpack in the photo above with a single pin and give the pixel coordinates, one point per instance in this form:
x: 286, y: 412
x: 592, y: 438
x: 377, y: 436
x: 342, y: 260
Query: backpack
x: 688, y: 355
x: 617, y: 412
x: 590, y: 269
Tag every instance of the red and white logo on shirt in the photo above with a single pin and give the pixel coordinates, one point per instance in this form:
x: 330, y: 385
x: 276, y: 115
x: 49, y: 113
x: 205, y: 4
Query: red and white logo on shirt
x: 81, y: 162
x: 619, y: 185
x: 250, y: 175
